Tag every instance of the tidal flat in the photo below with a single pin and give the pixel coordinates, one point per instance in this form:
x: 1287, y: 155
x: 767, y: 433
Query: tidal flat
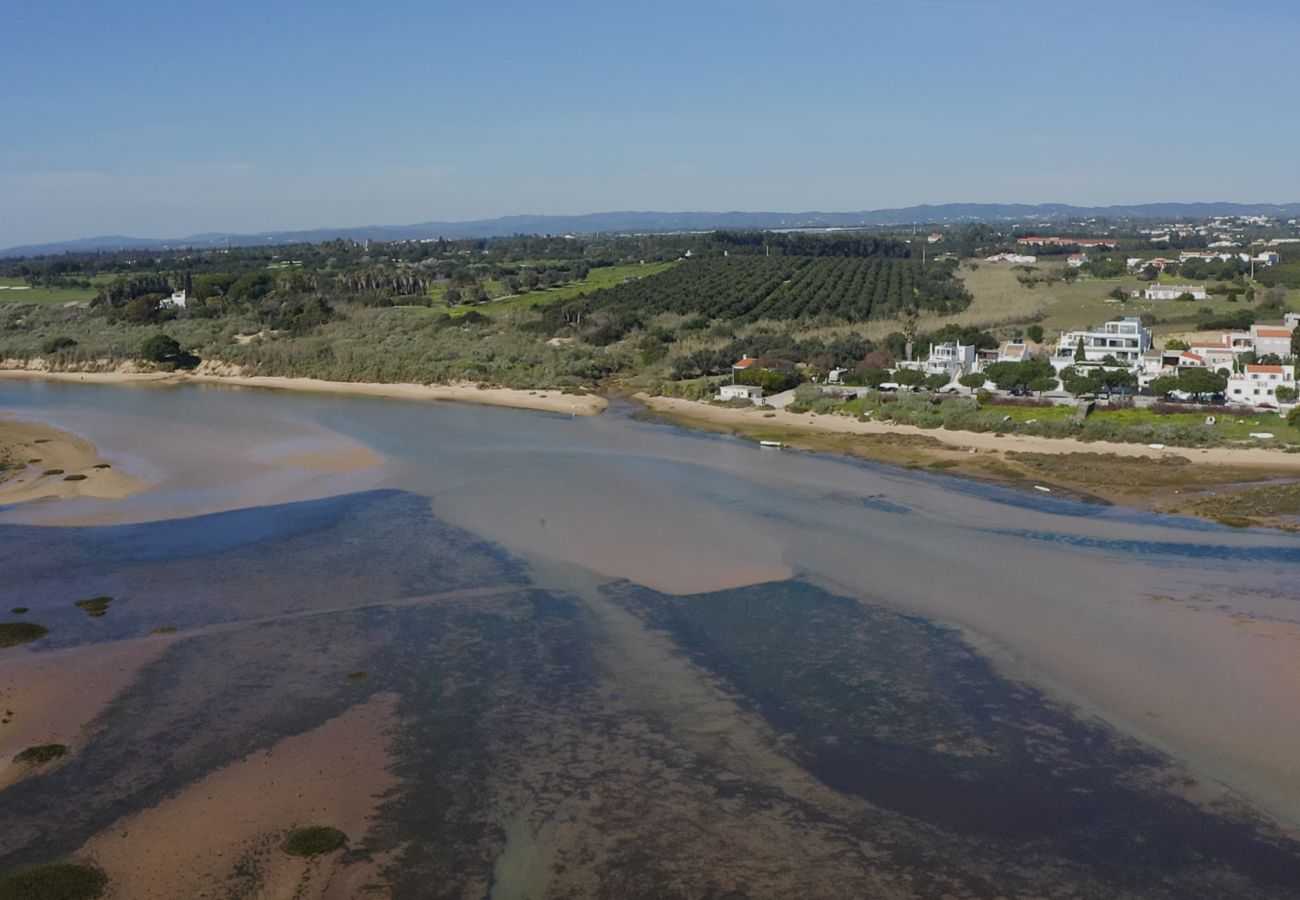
x: 611, y: 658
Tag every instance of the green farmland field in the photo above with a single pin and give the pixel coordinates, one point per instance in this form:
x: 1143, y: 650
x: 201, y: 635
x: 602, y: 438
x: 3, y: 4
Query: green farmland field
x: 604, y: 277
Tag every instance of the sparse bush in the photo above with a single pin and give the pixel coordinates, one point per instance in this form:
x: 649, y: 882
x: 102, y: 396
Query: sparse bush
x: 314, y: 841
x: 14, y: 633
x: 56, y: 881
x: 42, y: 753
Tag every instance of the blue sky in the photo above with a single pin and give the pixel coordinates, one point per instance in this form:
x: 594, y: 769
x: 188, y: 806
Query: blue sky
x: 168, y: 119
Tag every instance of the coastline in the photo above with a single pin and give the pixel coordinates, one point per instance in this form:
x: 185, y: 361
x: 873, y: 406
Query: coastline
x: 540, y: 400
x: 1256, y: 457
x: 1239, y: 487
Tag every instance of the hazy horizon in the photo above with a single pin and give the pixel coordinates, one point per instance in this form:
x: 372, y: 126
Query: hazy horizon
x: 167, y: 122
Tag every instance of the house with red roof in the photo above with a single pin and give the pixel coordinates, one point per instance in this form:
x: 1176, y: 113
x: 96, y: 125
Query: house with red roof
x: 1271, y: 339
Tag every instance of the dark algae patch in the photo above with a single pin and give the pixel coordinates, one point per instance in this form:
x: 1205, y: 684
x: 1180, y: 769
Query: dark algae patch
x: 314, y: 840
x: 95, y: 607
x: 14, y: 633
x: 901, y: 713
x: 56, y: 881
x: 19, y: 610
x: 41, y: 753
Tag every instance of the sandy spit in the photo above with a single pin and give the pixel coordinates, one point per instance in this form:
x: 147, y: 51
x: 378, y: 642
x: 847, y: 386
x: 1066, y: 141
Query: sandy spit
x: 75, y: 466
x: 547, y: 401
x: 1274, y: 460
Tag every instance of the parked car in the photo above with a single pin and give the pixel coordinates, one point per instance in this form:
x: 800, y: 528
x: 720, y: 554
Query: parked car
x: 1021, y: 390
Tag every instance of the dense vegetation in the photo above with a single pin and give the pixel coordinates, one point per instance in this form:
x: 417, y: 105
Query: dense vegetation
x: 522, y: 312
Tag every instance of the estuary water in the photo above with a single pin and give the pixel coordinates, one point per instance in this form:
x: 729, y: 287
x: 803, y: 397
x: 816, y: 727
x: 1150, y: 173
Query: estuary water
x: 616, y: 658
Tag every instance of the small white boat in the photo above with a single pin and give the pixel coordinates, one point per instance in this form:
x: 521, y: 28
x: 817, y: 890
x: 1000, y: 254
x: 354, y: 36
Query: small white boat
x: 1045, y: 490
x: 1261, y: 435
x: 777, y: 445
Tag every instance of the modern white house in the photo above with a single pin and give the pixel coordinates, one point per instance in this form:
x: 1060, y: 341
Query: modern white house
x: 1203, y: 256
x: 1271, y: 339
x: 1075, y: 260
x: 950, y: 359
x: 1155, y: 362
x: 751, y: 392
x: 1013, y: 351
x: 1174, y: 291
x: 175, y: 301
x: 1124, y: 339
x: 1257, y: 384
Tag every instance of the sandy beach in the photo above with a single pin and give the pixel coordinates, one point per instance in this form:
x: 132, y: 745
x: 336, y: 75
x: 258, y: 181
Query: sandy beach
x: 543, y: 400
x: 44, y: 462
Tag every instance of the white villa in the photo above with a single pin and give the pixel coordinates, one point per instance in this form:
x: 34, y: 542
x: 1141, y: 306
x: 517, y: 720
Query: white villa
x: 751, y: 392
x: 175, y: 301
x: 1174, y: 291
x: 1125, y: 339
x: 1258, y: 385
x: 950, y: 359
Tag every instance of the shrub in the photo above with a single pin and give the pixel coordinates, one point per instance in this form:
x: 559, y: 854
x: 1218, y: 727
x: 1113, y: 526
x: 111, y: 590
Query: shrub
x: 160, y: 348
x: 41, y: 753
x: 314, y: 841
x: 14, y: 633
x: 56, y: 881
x: 55, y: 344
x: 95, y: 607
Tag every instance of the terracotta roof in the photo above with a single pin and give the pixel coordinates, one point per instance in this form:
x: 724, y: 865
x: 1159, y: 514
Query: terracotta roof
x: 743, y: 363
x: 1271, y: 370
x: 1189, y: 355
x: 1274, y: 333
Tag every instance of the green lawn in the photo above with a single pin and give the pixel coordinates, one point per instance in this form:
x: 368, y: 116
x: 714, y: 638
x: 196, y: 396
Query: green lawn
x: 606, y: 276
x: 26, y: 294
x: 1234, y: 428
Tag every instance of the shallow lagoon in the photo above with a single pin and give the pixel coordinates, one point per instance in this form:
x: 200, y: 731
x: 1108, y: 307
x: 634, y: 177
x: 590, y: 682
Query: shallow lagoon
x: 632, y: 660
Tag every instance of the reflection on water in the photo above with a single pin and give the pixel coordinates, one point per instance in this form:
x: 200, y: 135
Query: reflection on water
x: 632, y: 661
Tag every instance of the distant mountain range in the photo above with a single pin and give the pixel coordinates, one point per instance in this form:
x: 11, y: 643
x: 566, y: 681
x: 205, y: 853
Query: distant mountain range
x: 639, y: 222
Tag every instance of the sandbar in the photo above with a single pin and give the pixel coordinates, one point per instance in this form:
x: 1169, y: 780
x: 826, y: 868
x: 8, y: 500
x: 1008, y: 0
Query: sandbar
x: 45, y: 462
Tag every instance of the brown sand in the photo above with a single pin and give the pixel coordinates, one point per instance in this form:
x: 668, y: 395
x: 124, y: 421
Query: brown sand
x: 199, y: 841
x: 618, y: 526
x: 548, y: 401
x: 341, y: 460
x: 57, y: 451
x: 54, y: 697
